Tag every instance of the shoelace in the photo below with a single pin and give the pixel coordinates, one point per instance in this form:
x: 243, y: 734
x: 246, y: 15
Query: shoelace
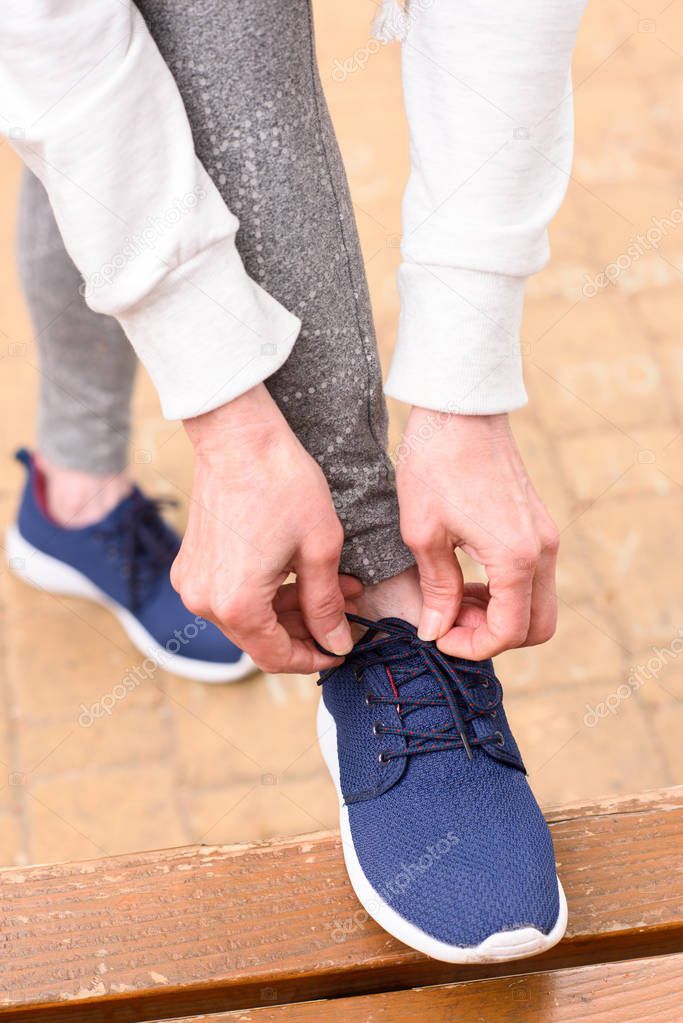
x: 143, y: 541
x: 421, y: 657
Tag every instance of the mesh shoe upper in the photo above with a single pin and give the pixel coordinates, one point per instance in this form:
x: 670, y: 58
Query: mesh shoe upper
x: 444, y: 823
x: 128, y: 556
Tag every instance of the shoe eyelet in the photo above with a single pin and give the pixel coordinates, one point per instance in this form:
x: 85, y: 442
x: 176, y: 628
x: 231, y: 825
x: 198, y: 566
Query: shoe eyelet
x: 383, y: 758
x: 500, y: 739
x: 486, y: 684
x: 377, y: 728
x: 358, y: 674
x: 369, y: 701
x: 494, y: 713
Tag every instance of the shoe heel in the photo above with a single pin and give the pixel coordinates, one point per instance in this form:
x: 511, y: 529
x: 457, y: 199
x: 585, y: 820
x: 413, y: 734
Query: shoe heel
x: 42, y: 570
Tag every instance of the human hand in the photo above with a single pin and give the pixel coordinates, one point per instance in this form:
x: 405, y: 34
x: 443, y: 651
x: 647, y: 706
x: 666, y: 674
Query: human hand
x: 260, y: 510
x: 465, y: 485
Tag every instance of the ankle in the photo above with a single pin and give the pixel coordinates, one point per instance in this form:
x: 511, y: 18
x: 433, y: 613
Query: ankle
x: 398, y: 597
x: 76, y: 499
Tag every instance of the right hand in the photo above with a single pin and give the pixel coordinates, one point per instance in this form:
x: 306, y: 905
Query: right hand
x: 261, y: 509
x: 466, y: 486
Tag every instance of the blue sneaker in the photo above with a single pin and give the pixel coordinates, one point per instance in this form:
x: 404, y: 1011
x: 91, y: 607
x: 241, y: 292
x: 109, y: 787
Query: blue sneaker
x: 445, y: 845
x: 123, y: 563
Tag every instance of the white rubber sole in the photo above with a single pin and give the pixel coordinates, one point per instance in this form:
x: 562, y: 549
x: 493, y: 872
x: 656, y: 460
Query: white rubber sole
x: 50, y: 574
x: 499, y: 947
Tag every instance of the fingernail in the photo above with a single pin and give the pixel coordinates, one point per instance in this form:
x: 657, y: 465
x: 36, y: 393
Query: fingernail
x: 431, y: 623
x: 339, y: 641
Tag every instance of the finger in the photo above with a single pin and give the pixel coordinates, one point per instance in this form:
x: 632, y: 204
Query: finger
x: 307, y: 660
x: 246, y: 614
x: 294, y: 624
x: 181, y: 561
x: 300, y: 655
x: 274, y: 649
x: 441, y: 583
x: 176, y: 573
x: 322, y: 603
x: 244, y: 611
x: 287, y: 597
x: 475, y: 600
x: 475, y: 594
x: 304, y: 659
x: 543, y: 618
x: 507, y: 616
x: 286, y: 605
x: 350, y: 586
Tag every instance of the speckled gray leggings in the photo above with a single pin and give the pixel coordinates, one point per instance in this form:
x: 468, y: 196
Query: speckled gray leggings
x: 250, y: 84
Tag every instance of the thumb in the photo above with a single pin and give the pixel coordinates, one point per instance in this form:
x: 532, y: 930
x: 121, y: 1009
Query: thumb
x: 322, y: 605
x: 442, y: 584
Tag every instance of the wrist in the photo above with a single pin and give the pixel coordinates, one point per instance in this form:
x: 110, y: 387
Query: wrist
x: 253, y: 414
x: 493, y: 424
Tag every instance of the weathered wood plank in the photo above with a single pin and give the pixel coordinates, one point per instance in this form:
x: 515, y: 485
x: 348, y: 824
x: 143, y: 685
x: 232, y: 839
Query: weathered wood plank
x: 161, y: 934
x: 638, y: 991
x: 637, y: 802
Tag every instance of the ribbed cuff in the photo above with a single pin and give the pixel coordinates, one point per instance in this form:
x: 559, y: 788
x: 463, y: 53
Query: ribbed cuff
x: 208, y: 332
x: 458, y: 345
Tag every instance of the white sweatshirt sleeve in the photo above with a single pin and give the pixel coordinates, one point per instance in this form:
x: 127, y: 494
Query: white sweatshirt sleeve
x: 487, y: 90
x: 91, y: 107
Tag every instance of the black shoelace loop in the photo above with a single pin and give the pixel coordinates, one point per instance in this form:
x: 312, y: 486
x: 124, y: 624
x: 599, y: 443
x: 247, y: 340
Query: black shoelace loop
x: 143, y: 542
x: 418, y: 657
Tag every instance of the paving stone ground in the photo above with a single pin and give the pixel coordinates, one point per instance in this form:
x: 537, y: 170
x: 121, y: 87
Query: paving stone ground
x: 600, y: 709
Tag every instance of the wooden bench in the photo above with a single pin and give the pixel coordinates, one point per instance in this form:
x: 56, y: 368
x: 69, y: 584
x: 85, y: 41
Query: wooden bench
x: 275, y: 928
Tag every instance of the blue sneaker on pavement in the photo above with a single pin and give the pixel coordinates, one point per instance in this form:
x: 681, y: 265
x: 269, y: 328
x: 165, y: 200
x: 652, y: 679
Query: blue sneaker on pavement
x: 445, y: 845
x: 123, y: 563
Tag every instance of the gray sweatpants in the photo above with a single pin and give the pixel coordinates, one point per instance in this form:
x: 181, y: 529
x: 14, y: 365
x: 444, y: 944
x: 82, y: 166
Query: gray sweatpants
x: 249, y: 81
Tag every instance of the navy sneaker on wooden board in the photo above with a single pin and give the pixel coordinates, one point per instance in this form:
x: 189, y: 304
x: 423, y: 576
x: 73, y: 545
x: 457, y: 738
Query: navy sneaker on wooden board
x: 444, y: 842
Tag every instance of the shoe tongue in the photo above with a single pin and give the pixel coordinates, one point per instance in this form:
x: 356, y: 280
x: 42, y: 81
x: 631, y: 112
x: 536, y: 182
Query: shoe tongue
x: 112, y: 519
x: 409, y: 685
x: 423, y: 687
x: 411, y: 675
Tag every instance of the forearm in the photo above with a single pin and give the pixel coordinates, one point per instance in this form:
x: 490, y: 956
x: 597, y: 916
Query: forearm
x: 487, y: 94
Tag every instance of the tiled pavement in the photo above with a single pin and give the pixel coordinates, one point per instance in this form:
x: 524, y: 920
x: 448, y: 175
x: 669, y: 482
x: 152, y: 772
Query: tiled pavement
x: 603, y: 436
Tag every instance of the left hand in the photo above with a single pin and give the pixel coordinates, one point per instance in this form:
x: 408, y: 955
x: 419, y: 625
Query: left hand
x: 261, y: 509
x: 462, y: 483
